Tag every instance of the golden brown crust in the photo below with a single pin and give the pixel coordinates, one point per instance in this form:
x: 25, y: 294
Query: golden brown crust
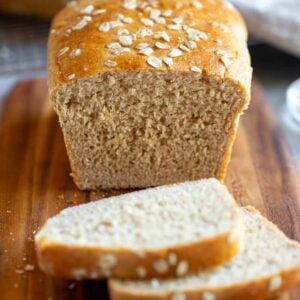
x: 252, y: 290
x: 223, y: 165
x: 84, y: 262
x: 223, y: 25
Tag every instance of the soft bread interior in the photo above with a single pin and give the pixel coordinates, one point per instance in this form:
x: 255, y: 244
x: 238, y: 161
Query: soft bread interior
x: 139, y: 129
x: 150, y: 219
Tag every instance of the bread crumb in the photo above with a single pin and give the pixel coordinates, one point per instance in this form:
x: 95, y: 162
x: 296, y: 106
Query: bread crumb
x: 208, y: 296
x: 141, y: 271
x: 172, y: 258
x: 29, y: 268
x: 178, y: 297
x: 72, y: 286
x: 141, y: 253
x: 154, y: 283
x: 79, y: 273
x: 161, y: 266
x: 107, y: 262
x: 275, y: 283
x: 233, y: 237
x: 182, y: 268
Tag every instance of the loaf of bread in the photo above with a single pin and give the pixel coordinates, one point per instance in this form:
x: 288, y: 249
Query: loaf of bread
x: 268, y: 265
x: 157, y: 233
x: 148, y: 92
x: 44, y: 9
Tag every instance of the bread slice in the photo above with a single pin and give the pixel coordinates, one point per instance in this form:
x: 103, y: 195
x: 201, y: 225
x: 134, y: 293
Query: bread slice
x: 268, y: 265
x: 162, y: 232
x: 148, y: 92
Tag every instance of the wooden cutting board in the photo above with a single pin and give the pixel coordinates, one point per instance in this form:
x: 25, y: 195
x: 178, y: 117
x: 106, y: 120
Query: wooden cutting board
x: 35, y: 184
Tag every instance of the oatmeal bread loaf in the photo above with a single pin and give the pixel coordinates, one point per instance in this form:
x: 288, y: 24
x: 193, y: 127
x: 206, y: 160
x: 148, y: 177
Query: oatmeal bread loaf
x: 268, y: 265
x: 156, y: 233
x: 148, y: 92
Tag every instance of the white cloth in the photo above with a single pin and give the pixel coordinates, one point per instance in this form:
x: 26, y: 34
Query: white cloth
x: 274, y: 21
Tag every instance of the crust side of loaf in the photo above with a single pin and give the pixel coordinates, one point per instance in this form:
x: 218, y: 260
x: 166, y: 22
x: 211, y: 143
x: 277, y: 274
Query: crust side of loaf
x: 254, y: 290
x: 226, y: 33
x: 225, y: 158
x: 85, y: 262
x: 258, y: 289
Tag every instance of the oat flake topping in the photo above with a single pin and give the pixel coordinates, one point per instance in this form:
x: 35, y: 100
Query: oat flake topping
x: 154, y: 62
x: 163, y: 23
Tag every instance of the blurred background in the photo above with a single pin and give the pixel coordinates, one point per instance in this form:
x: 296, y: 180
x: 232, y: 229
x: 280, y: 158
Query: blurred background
x: 274, y: 27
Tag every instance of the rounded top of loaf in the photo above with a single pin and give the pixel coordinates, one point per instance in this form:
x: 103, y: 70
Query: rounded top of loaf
x: 91, y: 37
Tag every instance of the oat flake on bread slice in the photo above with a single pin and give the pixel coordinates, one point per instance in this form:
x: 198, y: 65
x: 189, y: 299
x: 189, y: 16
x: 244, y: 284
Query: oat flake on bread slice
x: 268, y: 265
x: 155, y: 233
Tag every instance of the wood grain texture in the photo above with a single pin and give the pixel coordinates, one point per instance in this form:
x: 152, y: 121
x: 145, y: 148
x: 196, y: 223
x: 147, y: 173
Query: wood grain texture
x: 35, y: 184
